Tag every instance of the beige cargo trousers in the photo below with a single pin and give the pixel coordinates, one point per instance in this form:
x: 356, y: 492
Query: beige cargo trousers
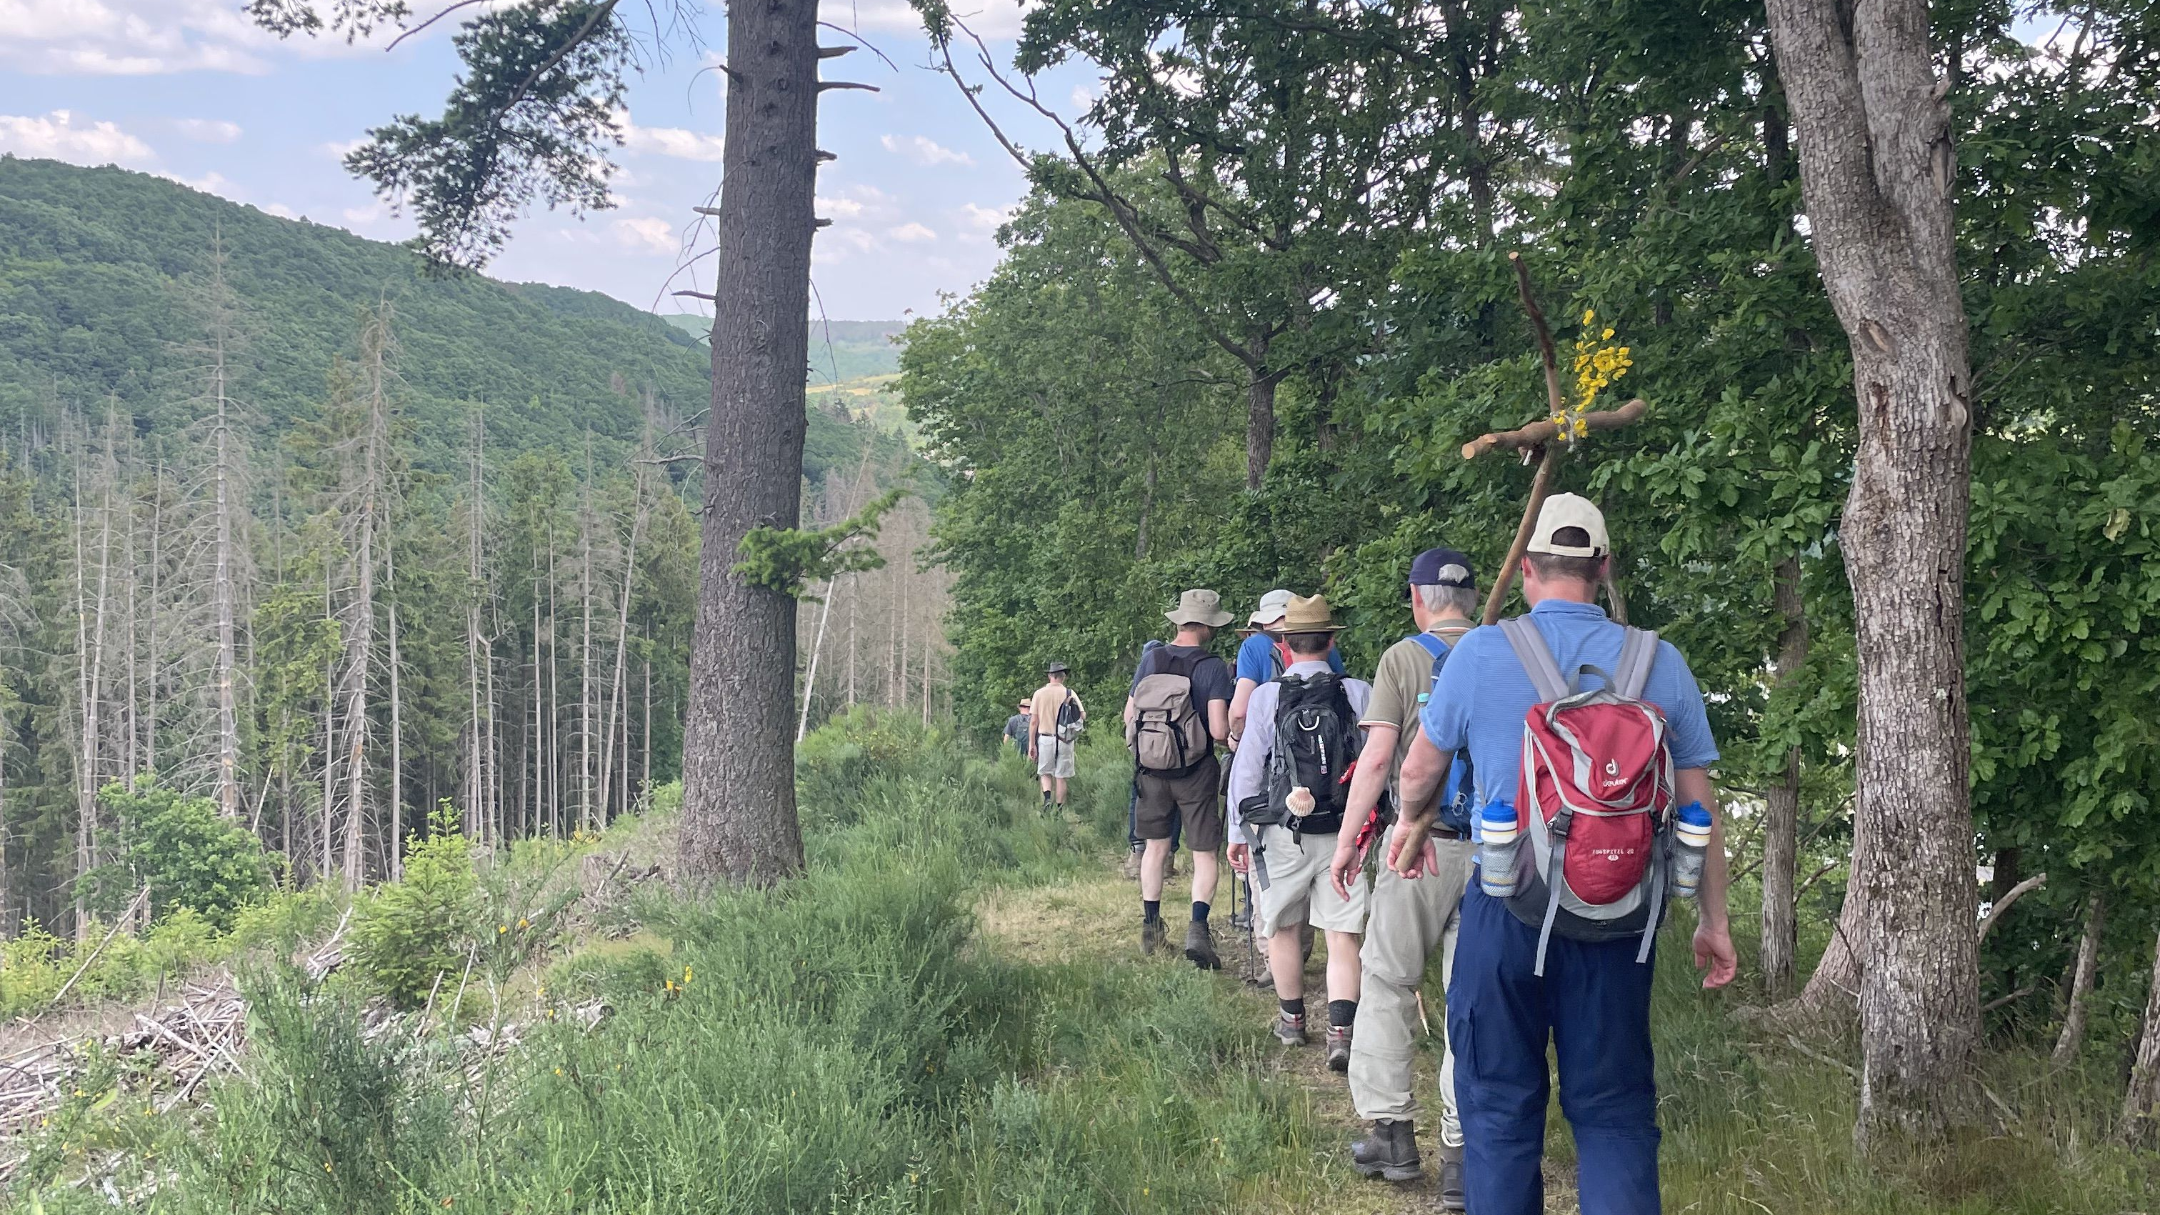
x: 1407, y: 919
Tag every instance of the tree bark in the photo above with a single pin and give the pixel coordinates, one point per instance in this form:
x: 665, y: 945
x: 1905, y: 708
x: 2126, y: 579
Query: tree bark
x: 2081, y: 981
x: 1876, y: 168
x: 1781, y: 813
x: 2140, y: 1097
x: 1259, y: 423
x: 739, y: 818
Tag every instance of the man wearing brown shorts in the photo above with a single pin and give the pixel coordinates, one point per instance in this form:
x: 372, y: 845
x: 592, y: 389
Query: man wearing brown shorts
x: 1180, y: 693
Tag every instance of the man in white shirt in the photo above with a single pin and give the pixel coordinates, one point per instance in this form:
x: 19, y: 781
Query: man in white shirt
x: 1288, y: 789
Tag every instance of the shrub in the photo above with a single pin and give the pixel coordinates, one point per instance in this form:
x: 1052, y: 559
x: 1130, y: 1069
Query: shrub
x: 409, y: 932
x: 187, y: 853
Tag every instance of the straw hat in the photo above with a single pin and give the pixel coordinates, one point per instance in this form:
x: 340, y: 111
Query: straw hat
x: 1309, y: 616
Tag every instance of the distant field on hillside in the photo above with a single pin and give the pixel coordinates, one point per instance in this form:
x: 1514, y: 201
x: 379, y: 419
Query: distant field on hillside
x: 840, y: 351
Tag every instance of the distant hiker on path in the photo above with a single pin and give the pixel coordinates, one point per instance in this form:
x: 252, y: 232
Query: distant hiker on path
x: 1529, y: 971
x: 1017, y: 730
x: 1178, y: 710
x: 1407, y: 919
x: 1057, y: 715
x: 1288, y: 791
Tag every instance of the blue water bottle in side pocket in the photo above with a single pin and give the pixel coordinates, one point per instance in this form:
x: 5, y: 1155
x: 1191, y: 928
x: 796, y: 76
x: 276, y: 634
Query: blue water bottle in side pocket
x: 1499, y: 837
x: 1691, y: 848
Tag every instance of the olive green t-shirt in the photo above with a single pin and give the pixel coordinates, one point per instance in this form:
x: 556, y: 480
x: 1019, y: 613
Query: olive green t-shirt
x: 1399, y: 688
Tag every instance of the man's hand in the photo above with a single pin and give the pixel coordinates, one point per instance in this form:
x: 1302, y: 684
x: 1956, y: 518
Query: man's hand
x: 1348, y: 864
x: 1714, y: 949
x: 1241, y: 857
x: 1411, y: 852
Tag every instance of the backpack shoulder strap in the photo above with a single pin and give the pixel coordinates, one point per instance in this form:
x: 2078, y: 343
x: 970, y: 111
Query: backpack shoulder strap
x: 1536, y: 658
x: 1430, y: 644
x: 1638, y: 651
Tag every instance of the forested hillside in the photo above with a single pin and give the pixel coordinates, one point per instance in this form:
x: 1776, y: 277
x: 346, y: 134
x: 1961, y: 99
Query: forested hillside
x: 99, y: 296
x: 308, y: 537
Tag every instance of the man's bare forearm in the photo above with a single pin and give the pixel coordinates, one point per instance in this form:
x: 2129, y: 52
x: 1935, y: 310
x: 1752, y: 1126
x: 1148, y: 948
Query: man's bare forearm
x: 1370, y: 781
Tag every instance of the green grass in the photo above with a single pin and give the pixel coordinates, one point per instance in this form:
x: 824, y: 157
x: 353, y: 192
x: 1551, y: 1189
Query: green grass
x: 857, y: 1042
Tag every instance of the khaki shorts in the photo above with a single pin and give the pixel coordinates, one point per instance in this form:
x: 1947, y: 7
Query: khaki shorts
x: 1298, y: 890
x: 1196, y: 795
x: 1053, y: 757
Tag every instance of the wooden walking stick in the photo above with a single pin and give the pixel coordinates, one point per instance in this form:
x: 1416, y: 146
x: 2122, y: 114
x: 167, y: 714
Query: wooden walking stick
x: 1539, y: 440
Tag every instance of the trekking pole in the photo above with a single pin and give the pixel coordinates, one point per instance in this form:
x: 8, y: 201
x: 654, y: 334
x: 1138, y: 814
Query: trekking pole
x: 1538, y: 440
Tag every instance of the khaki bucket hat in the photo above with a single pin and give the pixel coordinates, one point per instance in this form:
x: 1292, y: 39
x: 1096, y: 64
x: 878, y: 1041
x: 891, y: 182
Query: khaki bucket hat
x: 1199, y: 607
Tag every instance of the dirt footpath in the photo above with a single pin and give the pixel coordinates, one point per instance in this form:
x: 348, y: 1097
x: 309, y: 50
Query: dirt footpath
x: 1097, y: 915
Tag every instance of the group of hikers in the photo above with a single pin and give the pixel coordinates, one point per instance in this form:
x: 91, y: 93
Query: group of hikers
x: 1539, y: 794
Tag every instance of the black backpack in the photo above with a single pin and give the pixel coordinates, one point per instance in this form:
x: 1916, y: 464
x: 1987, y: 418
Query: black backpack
x: 1316, y: 743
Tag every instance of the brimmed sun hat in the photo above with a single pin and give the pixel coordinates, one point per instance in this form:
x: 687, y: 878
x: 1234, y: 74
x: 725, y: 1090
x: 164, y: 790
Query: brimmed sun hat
x: 1309, y: 616
x: 1199, y: 607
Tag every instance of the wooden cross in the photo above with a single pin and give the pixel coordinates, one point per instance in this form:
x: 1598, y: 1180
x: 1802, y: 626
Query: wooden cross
x: 1538, y: 440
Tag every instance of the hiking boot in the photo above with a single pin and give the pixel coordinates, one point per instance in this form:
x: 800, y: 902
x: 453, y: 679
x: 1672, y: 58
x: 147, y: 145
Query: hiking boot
x: 1338, y: 1048
x: 1290, y: 1029
x: 1452, y: 1197
x: 1169, y: 867
x: 1132, y: 865
x: 1200, y: 947
x: 1390, y: 1153
x: 1151, y: 936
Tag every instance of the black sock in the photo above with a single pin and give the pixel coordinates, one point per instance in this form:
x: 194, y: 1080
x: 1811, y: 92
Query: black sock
x: 1151, y: 911
x: 1199, y: 913
x: 1046, y: 797
x: 1341, y: 1012
x: 1292, y: 1008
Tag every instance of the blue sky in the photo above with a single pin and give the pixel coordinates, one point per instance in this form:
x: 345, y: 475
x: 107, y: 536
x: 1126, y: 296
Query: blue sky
x: 188, y: 89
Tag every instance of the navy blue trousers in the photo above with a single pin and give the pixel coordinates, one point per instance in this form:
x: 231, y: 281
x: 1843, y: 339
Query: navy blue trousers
x: 1594, y: 1005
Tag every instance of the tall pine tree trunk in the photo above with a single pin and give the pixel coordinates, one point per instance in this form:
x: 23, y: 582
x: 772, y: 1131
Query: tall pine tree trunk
x: 739, y: 818
x: 1877, y: 168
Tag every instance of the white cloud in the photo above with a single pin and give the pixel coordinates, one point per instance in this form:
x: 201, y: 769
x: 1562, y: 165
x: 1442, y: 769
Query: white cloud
x: 360, y: 217
x: 281, y: 211
x: 60, y: 135
x: 138, y: 37
x: 1082, y: 97
x: 984, y: 219
x: 648, y: 233
x: 208, y: 130
x: 911, y: 232
x: 209, y: 183
x: 839, y: 208
x: 990, y: 18
x: 671, y: 141
x: 339, y: 149
x: 924, y: 151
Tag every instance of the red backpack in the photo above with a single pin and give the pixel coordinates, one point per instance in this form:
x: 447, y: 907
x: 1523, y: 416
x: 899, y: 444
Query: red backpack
x: 1595, y: 800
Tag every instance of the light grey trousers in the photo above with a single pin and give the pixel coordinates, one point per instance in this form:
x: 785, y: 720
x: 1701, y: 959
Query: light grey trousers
x: 1406, y: 920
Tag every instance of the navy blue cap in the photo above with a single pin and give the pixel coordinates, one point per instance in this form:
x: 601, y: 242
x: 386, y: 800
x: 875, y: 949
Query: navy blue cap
x: 1441, y: 567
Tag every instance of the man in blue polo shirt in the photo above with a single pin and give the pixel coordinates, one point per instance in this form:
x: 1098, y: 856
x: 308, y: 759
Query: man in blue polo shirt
x: 1593, y: 1002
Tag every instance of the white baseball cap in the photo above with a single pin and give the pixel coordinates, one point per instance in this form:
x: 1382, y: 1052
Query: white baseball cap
x: 1563, y: 511
x: 1272, y: 607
